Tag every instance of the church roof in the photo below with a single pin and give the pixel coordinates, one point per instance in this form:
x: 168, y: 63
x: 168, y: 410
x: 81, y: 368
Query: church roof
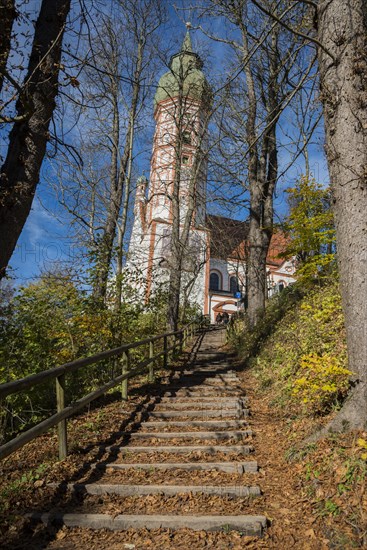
x: 227, y: 237
x: 185, y: 76
x: 228, y: 240
x: 278, y: 244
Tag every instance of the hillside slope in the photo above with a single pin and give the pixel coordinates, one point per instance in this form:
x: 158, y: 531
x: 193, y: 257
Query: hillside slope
x: 297, y: 361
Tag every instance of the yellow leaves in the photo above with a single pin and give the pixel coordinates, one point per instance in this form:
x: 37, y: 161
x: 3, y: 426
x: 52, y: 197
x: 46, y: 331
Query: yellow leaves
x: 322, y: 381
x: 329, y: 388
x: 362, y: 443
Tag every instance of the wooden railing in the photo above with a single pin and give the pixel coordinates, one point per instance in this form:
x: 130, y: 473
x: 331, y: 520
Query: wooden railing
x: 170, y: 344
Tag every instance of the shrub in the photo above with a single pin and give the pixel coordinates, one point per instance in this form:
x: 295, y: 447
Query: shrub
x: 299, y: 348
x: 321, y: 382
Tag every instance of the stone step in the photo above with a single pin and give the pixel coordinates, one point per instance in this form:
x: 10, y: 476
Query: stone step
x: 228, y: 467
x: 202, y: 367
x: 205, y: 381
x: 199, y: 405
x: 238, y: 412
x: 201, y: 399
x: 198, y: 393
x: 240, y: 434
x: 195, y: 423
x: 194, y: 384
x: 224, y: 391
x: 248, y: 525
x: 239, y: 491
x: 207, y: 374
x: 193, y: 381
x: 215, y: 369
x: 185, y: 449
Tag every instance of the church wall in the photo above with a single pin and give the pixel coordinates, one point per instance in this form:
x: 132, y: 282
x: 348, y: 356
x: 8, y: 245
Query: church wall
x: 227, y: 303
x: 150, y: 256
x: 227, y: 269
x: 237, y: 268
x: 282, y: 275
x: 220, y: 266
x: 150, y: 240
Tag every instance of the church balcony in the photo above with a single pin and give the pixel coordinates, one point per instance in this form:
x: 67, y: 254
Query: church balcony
x: 221, y: 292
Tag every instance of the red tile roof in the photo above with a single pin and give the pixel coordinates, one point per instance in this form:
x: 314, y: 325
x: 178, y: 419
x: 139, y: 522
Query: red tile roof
x: 228, y: 239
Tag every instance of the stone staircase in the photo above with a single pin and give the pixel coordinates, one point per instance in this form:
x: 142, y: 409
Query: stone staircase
x: 194, y: 441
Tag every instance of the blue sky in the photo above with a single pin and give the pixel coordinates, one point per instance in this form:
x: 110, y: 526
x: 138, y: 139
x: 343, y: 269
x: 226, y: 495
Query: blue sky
x: 45, y: 241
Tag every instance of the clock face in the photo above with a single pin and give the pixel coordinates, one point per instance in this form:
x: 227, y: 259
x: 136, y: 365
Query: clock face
x: 288, y: 268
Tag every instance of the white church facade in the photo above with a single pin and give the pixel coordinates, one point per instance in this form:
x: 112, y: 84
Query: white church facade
x: 214, y: 266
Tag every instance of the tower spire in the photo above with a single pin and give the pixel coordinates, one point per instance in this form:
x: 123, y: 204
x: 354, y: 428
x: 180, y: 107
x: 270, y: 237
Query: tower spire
x: 187, y: 45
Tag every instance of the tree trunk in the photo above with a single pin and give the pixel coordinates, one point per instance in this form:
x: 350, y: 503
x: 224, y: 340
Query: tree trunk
x: 118, y: 186
x: 121, y: 228
x: 174, y: 290
x: 7, y: 15
x: 174, y: 287
x: 263, y: 174
x: 256, y: 273
x: 343, y: 31
x: 28, y: 138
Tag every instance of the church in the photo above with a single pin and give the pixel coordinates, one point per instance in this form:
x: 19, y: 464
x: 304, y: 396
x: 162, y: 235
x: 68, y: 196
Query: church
x: 214, y: 266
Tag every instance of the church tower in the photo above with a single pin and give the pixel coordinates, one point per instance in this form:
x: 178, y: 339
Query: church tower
x: 178, y: 171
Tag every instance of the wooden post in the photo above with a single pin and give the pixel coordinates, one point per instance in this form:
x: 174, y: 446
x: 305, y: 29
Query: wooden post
x: 61, y: 427
x: 151, y: 365
x: 171, y: 340
x: 165, y: 358
x: 174, y: 342
x: 125, y: 369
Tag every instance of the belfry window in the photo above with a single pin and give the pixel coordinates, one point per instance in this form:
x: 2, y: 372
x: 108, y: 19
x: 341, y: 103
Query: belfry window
x: 186, y: 137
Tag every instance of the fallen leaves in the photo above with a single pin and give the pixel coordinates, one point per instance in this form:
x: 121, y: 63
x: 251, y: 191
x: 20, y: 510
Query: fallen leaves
x: 286, y: 500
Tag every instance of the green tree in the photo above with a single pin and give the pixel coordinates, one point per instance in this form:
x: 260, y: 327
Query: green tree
x: 51, y: 322
x: 310, y: 225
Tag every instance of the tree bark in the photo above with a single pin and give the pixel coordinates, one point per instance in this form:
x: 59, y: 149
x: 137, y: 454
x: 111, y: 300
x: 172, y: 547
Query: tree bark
x: 119, y: 182
x: 175, y: 275
x: 261, y: 227
x: 121, y: 227
x: 28, y: 137
x: 262, y: 172
x: 343, y: 31
x: 7, y: 15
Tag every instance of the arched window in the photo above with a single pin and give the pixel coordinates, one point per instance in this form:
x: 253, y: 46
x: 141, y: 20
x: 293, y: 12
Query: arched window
x: 214, y: 283
x: 233, y: 285
x: 281, y: 286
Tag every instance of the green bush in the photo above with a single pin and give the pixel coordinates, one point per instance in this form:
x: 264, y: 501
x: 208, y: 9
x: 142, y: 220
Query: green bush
x: 299, y: 348
x: 51, y: 322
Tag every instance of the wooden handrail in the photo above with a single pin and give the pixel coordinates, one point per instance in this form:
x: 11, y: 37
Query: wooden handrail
x: 60, y: 372
x: 22, y: 384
